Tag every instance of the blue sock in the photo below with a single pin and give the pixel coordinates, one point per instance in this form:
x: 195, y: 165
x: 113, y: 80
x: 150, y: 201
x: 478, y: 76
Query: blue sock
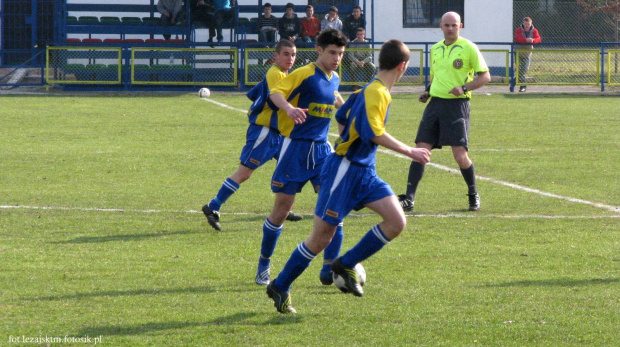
x: 271, y: 233
x: 298, y: 262
x: 229, y: 187
x: 333, y: 249
x: 370, y: 244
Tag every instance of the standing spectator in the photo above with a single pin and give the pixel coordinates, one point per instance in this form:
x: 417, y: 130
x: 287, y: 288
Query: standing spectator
x: 170, y: 10
x: 331, y: 20
x: 527, y: 36
x: 361, y: 60
x: 310, y: 26
x: 353, y: 22
x: 289, y: 25
x: 445, y: 122
x: 223, y: 13
x: 267, y: 25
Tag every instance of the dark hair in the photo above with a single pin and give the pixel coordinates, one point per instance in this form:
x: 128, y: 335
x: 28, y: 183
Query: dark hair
x: 393, y: 52
x: 267, y: 5
x: 331, y: 37
x: 290, y: 5
x: 309, y: 6
x: 357, y: 7
x: 284, y: 43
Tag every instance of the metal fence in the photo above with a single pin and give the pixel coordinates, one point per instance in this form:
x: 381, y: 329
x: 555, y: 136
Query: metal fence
x: 548, y: 64
x: 143, y: 66
x: 566, y: 21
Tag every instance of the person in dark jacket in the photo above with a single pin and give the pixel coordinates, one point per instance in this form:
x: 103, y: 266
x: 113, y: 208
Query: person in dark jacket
x: 289, y: 24
x: 353, y: 22
x: 526, y: 36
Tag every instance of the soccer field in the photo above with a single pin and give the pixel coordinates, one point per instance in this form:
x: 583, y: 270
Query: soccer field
x: 101, y: 235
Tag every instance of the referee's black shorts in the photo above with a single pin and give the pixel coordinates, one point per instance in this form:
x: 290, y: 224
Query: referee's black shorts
x: 445, y: 122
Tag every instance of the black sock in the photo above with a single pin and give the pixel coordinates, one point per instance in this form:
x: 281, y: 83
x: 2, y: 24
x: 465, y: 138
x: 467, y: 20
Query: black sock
x: 416, y: 171
x: 470, y: 179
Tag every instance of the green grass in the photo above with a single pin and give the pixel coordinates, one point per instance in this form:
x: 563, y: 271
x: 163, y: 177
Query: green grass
x: 526, y: 270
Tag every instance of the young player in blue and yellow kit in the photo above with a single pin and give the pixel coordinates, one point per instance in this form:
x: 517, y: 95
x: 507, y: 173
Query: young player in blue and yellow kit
x: 349, y: 180
x: 446, y: 118
x: 307, y: 100
x: 262, y: 138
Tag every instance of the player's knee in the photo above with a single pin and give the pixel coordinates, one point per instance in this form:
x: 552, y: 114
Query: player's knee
x: 392, y: 227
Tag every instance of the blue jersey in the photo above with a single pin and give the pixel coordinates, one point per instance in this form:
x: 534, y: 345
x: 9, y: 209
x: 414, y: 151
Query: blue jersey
x: 263, y: 111
x: 308, y: 87
x: 363, y: 116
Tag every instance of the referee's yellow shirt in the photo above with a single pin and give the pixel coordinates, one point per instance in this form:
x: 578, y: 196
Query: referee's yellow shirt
x: 453, y: 66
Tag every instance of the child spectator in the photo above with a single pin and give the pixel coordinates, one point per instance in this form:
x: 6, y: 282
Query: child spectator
x: 331, y: 20
x: 290, y: 25
x: 310, y: 26
x: 354, y: 21
x: 267, y: 25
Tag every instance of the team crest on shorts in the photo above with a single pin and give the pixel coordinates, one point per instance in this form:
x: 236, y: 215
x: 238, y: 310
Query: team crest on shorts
x: 457, y: 63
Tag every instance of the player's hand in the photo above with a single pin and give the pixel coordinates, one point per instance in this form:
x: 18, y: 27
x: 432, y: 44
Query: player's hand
x: 421, y: 155
x: 298, y: 115
x: 424, y: 97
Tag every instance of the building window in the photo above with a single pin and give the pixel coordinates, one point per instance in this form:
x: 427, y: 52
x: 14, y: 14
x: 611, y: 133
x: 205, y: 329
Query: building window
x: 427, y: 13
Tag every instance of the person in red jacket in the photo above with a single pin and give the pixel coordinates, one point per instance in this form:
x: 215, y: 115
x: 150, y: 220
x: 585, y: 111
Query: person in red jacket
x: 310, y: 26
x: 526, y: 36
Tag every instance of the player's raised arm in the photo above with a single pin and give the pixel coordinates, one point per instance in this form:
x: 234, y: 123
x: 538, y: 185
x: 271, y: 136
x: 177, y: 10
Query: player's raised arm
x: 298, y: 115
x: 421, y: 155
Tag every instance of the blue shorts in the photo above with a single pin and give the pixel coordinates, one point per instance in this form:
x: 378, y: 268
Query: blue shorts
x: 347, y: 186
x: 261, y: 145
x: 300, y: 161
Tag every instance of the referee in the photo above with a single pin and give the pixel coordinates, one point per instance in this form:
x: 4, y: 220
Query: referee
x: 445, y: 121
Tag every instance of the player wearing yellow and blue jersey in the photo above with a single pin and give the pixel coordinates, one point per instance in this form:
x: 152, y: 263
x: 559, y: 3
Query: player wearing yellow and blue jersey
x: 262, y: 139
x: 446, y: 118
x: 349, y: 181
x: 307, y: 99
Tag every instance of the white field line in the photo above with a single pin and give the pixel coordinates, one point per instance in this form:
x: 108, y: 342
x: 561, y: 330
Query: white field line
x: 482, y: 178
x: 447, y: 215
x: 392, y: 153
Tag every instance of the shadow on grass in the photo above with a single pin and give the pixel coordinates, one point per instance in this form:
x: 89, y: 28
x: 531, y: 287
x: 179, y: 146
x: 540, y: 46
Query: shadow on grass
x: 560, y: 282
x: 128, y: 237
x: 114, y: 293
x: 234, y: 319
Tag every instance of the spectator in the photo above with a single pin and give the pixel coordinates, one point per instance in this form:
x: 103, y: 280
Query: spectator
x: 331, y: 20
x: 361, y: 60
x: 170, y: 11
x: 201, y: 12
x: 527, y: 36
x: 310, y: 26
x: 353, y: 22
x: 267, y: 25
x: 223, y: 13
x: 289, y: 25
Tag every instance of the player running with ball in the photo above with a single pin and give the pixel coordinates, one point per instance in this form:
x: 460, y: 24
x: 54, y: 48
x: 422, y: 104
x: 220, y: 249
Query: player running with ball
x: 349, y: 181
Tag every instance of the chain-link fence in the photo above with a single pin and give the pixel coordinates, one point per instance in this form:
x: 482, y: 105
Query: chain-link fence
x: 357, y: 68
x: 147, y: 65
x: 184, y: 66
x: 566, y: 21
x: 81, y: 65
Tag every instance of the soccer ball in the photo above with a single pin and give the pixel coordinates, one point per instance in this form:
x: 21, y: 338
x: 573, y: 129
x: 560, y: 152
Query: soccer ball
x: 361, y: 275
x: 204, y: 92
